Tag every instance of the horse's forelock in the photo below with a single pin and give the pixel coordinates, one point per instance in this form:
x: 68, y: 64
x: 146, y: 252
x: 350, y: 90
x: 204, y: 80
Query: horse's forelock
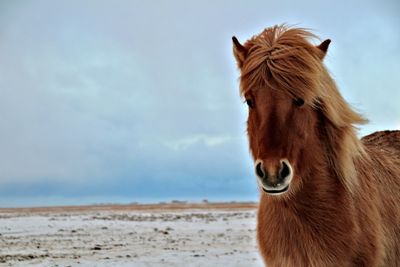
x: 282, y: 58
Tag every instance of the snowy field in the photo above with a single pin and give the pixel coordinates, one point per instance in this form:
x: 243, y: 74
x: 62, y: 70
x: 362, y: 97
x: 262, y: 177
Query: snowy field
x: 125, y: 236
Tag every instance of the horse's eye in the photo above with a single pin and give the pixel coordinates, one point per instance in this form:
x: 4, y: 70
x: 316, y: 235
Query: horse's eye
x: 299, y: 102
x: 250, y: 103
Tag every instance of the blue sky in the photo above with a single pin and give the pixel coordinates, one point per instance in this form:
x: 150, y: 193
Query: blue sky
x: 123, y: 101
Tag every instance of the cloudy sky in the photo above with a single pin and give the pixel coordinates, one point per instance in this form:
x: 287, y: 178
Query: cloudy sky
x: 123, y: 101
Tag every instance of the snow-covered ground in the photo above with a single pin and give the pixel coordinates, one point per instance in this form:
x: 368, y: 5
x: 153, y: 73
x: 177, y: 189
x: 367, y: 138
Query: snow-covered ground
x: 116, y: 238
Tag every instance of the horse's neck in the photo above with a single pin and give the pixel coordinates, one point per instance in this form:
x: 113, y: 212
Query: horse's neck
x: 340, y: 149
x: 314, y: 216
x: 316, y: 207
x: 321, y: 195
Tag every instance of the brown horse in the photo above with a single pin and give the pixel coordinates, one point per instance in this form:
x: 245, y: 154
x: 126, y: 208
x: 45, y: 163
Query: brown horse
x: 328, y: 198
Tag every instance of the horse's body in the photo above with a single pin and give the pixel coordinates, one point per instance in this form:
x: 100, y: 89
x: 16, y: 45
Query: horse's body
x: 341, y: 205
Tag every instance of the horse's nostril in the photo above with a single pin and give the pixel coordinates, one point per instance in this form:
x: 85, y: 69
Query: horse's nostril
x: 259, y: 170
x: 284, y: 171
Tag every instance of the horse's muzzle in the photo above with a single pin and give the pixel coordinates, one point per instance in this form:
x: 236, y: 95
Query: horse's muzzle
x: 274, y: 180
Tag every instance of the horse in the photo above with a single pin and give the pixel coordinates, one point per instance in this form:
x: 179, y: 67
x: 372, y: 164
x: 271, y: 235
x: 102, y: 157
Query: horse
x: 327, y: 197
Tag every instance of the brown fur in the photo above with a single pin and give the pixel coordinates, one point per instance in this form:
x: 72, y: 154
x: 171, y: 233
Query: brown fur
x: 343, y: 204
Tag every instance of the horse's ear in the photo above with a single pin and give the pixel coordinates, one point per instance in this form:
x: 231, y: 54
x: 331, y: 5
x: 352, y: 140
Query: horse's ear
x: 323, y: 47
x: 239, y: 51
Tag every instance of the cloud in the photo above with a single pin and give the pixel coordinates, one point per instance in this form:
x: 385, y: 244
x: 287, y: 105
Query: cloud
x: 207, y: 140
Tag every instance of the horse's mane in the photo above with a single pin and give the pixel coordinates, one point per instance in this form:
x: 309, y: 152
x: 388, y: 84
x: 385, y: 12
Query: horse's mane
x: 282, y: 58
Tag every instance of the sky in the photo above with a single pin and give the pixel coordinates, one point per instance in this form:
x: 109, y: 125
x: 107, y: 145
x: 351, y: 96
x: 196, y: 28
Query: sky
x: 138, y: 101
